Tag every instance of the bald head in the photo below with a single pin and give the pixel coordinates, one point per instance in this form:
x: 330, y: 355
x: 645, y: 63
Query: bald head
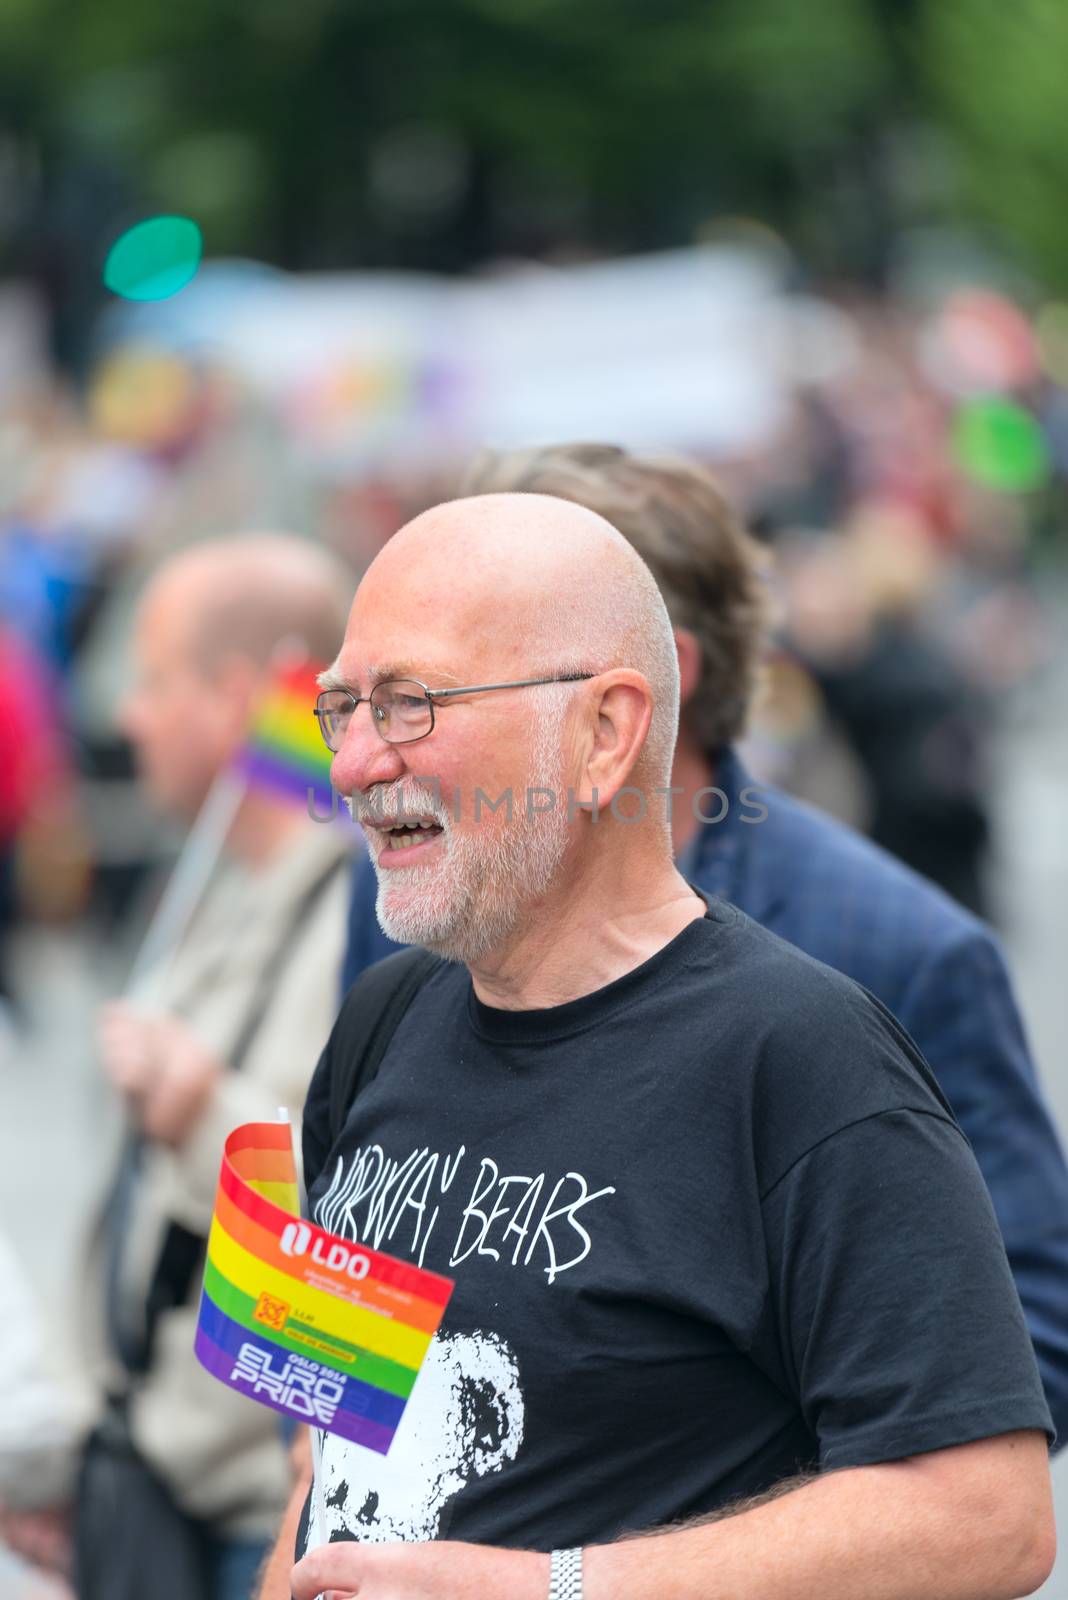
x: 504, y: 599
x: 208, y: 627
x: 246, y: 595
x: 526, y: 585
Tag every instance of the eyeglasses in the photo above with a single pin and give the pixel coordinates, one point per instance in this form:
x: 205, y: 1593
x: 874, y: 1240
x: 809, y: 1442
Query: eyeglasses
x: 402, y: 709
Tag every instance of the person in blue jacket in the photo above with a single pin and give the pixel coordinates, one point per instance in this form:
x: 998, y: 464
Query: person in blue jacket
x: 803, y: 874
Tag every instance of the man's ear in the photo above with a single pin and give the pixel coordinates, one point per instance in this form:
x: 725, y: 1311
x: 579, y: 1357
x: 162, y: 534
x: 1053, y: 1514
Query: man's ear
x: 239, y: 684
x: 620, y: 714
x: 689, y: 653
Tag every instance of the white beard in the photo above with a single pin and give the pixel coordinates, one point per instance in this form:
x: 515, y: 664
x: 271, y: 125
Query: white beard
x: 472, y: 898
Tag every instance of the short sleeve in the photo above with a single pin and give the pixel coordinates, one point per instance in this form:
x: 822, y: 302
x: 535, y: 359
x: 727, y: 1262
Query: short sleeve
x: 892, y: 1312
x: 315, y: 1121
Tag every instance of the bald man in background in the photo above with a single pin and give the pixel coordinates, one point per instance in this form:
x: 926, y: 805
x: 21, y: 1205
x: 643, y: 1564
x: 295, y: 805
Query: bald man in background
x: 726, y: 1273
x: 225, y: 1032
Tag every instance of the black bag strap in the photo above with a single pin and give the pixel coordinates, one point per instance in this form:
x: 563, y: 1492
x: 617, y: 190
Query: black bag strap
x: 379, y: 998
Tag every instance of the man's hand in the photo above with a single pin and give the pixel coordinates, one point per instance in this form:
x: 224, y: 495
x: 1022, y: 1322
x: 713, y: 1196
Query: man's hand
x: 161, y: 1067
x: 43, y: 1538
x: 438, y: 1571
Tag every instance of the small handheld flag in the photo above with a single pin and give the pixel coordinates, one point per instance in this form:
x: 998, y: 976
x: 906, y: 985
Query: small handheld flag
x: 315, y: 1326
x: 284, y: 751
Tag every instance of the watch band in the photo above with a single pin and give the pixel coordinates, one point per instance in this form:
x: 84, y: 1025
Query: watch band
x: 565, y: 1575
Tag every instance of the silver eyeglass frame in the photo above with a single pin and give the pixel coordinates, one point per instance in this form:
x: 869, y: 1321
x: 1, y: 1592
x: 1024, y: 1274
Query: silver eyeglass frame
x: 431, y: 696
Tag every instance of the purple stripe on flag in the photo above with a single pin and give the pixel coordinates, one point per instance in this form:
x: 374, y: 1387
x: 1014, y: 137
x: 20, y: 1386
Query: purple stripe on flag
x: 270, y: 772
x: 265, y: 1366
x: 362, y: 1399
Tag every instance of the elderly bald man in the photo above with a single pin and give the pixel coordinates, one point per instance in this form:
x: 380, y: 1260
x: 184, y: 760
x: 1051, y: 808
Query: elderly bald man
x: 726, y: 1272
x: 225, y: 1032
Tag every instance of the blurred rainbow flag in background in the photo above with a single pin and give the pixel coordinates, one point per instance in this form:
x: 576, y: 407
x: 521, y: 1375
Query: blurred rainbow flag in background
x: 285, y: 750
x: 313, y: 1325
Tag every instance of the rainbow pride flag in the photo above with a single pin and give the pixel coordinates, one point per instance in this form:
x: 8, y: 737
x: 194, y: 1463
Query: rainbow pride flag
x: 285, y: 750
x: 315, y: 1326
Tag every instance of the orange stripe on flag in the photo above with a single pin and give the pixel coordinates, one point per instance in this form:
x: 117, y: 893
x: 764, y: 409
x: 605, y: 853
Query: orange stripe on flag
x: 263, y: 1166
x: 384, y: 1268
x: 335, y: 1309
x: 397, y: 1304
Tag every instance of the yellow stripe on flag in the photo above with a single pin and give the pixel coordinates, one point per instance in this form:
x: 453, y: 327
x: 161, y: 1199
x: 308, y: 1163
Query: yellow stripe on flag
x: 325, y: 1312
x: 280, y: 1194
x: 285, y: 723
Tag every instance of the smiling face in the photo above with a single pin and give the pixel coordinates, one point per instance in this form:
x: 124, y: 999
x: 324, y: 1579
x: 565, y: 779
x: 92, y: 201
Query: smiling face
x: 470, y: 828
x: 449, y: 879
x: 456, y: 598
x: 456, y: 868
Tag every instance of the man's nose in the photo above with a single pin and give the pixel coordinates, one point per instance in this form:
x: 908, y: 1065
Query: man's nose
x: 364, y: 757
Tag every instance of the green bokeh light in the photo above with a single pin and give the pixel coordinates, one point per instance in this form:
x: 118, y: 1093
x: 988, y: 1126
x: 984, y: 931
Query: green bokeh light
x: 1001, y: 446
x: 154, y: 259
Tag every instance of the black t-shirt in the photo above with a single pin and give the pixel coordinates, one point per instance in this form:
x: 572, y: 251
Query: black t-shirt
x: 709, y: 1225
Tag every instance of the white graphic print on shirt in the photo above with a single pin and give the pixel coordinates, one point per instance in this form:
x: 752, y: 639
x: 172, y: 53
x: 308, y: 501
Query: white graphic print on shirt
x: 465, y: 1417
x: 394, y: 1206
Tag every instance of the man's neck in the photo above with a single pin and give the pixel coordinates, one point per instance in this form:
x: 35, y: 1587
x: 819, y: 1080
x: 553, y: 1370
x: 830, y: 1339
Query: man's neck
x: 608, y: 916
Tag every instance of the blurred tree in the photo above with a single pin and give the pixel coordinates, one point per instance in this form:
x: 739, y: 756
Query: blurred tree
x: 995, y: 73
x: 269, y: 118
x: 437, y: 134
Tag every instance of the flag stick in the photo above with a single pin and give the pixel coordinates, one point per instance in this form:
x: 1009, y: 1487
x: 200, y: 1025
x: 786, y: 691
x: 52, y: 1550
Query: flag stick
x: 318, y: 1501
x: 202, y: 849
x: 189, y: 878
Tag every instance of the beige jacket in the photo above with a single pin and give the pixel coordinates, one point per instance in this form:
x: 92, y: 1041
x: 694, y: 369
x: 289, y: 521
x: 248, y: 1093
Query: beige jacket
x: 219, y: 1452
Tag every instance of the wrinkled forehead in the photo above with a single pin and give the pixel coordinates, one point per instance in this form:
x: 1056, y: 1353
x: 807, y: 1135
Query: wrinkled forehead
x: 454, y: 631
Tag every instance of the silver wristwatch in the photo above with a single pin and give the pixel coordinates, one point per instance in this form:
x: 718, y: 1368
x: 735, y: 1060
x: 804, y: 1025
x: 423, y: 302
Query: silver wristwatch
x: 565, y: 1575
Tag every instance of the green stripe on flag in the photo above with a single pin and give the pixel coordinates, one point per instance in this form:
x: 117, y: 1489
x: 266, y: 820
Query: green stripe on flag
x: 304, y: 1340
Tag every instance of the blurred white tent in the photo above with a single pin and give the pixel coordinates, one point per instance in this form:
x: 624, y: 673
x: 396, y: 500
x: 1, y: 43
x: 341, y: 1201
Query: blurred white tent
x: 689, y: 349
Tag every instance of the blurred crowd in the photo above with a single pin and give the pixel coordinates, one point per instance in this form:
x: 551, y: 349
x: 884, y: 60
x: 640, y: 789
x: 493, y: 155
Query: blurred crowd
x: 912, y: 501
x: 912, y: 496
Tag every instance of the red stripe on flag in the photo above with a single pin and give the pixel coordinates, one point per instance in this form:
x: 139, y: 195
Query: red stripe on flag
x: 386, y: 1300
x: 260, y: 1136
x: 385, y: 1269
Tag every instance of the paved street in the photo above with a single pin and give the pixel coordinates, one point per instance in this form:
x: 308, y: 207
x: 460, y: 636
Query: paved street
x: 1031, y: 883
x: 59, y: 1125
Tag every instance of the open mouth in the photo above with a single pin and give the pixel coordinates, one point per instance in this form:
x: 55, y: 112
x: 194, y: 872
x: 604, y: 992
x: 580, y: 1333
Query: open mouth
x: 409, y: 835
